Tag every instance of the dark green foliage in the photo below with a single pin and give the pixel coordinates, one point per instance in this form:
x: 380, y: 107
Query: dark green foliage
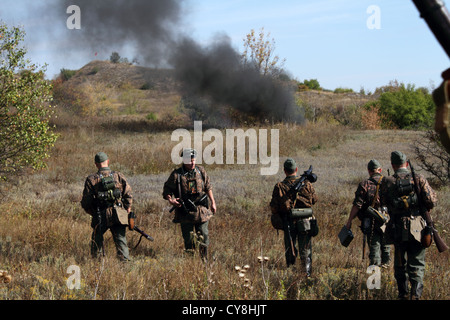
x: 25, y: 133
x: 405, y: 107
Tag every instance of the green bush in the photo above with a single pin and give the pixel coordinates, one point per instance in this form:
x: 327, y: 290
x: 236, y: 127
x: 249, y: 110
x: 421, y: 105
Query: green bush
x: 66, y: 74
x: 343, y: 90
x: 403, y: 106
x: 407, y: 107
x: 312, y: 84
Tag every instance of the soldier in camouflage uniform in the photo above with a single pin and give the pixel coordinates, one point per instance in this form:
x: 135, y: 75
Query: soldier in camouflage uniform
x: 406, y: 224
x: 103, y: 205
x: 282, y: 201
x: 194, y: 184
x: 379, y: 251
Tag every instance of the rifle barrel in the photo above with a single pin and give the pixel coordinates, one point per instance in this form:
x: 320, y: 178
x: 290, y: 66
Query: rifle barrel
x: 143, y: 233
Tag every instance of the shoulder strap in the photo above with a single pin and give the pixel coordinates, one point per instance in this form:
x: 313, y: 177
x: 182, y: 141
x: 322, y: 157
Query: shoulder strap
x: 201, y: 173
x: 376, y: 192
x: 295, y: 195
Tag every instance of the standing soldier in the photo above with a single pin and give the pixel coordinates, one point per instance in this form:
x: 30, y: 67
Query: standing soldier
x: 187, y: 189
x: 367, y: 195
x: 398, y: 194
x: 107, y: 198
x: 295, y: 229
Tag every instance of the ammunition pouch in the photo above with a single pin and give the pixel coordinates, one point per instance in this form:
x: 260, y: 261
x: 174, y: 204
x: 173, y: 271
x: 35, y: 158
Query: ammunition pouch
x: 109, y: 196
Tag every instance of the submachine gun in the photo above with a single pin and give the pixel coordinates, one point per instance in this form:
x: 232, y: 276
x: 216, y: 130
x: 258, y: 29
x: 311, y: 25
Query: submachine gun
x: 437, y: 17
x: 132, y: 226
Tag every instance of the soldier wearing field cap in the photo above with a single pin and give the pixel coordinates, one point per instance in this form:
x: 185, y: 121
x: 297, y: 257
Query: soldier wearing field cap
x: 189, y: 191
x: 406, y: 224
x: 107, y: 197
x: 367, y: 195
x: 295, y: 229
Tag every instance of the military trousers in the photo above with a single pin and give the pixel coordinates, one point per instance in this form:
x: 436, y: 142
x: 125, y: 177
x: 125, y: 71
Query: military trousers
x: 379, y: 251
x: 119, y: 236
x: 195, y: 234
x: 300, y: 236
x: 409, y: 266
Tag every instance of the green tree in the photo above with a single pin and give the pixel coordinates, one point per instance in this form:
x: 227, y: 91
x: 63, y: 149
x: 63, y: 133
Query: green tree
x: 312, y: 84
x: 25, y: 133
x: 407, y: 107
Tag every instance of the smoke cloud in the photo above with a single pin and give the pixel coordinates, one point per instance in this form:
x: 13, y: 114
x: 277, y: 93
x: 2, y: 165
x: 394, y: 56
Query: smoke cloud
x: 216, y: 72
x: 154, y: 29
x: 149, y: 26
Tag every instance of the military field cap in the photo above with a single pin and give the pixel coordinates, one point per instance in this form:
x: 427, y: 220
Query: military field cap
x: 100, y: 157
x: 373, y: 164
x: 189, y: 152
x: 290, y: 164
x: 398, y: 158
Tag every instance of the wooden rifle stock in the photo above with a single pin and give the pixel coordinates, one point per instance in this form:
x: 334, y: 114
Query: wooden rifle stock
x: 440, y: 244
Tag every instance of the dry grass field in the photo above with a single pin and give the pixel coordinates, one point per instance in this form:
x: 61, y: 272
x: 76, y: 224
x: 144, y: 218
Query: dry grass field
x: 44, y: 231
x: 130, y: 113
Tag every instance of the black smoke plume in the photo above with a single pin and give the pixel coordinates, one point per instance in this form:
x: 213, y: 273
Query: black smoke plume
x: 154, y: 28
x: 149, y: 26
x: 217, y: 73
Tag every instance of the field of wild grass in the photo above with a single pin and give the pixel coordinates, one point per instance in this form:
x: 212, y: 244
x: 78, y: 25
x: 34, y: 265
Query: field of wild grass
x: 44, y: 232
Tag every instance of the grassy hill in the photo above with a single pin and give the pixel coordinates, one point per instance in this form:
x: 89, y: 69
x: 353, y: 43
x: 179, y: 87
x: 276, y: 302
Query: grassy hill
x: 103, y: 88
x: 44, y: 231
x: 120, y: 74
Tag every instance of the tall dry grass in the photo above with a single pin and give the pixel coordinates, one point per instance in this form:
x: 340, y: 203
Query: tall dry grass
x: 43, y: 230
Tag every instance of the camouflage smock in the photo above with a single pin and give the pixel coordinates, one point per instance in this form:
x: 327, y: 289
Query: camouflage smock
x: 282, y: 200
x: 406, y: 219
x: 365, y: 194
x: 194, y: 184
x: 92, y: 186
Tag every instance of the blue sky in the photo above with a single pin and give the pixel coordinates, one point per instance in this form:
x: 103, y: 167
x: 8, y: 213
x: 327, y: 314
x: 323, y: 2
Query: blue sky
x: 322, y: 39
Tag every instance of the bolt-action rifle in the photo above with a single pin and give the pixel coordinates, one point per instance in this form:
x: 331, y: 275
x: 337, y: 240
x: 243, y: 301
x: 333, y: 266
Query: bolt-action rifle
x: 430, y: 230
